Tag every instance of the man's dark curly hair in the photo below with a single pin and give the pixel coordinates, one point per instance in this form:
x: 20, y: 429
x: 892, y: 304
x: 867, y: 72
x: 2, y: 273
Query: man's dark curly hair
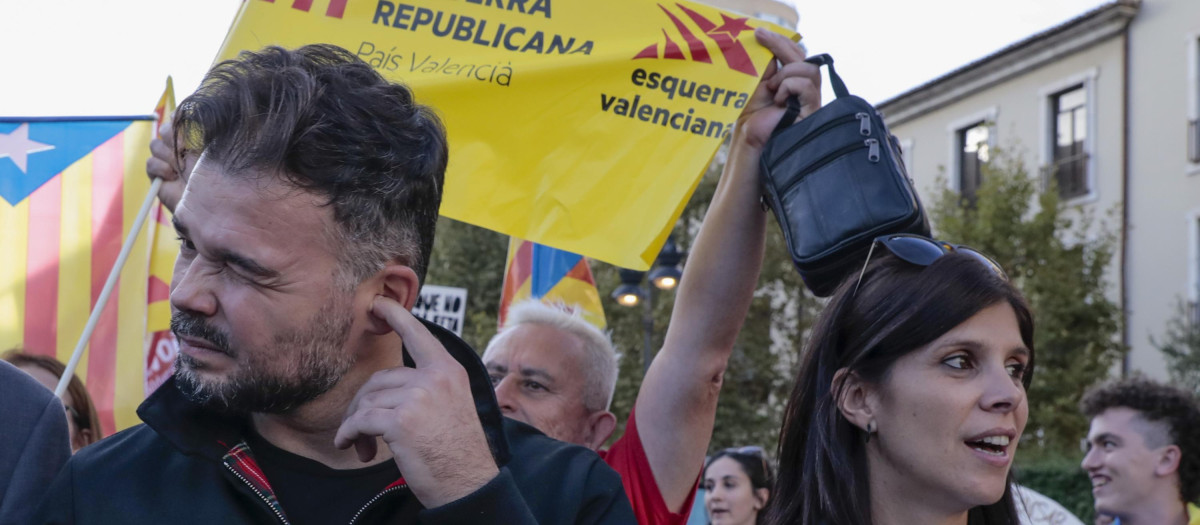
x: 327, y: 123
x: 1176, y: 408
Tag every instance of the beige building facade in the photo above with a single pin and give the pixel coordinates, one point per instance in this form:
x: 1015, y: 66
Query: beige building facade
x: 773, y: 11
x: 1111, y: 99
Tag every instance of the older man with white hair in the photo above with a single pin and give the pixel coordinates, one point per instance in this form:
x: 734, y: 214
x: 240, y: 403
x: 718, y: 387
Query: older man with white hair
x: 557, y: 373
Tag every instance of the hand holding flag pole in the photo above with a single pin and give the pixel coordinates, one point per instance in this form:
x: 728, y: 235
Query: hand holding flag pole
x: 166, y: 105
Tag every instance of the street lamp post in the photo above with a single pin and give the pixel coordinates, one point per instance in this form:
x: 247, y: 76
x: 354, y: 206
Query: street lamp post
x: 664, y: 276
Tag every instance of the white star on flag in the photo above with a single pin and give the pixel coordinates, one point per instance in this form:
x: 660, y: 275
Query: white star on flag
x: 17, y: 146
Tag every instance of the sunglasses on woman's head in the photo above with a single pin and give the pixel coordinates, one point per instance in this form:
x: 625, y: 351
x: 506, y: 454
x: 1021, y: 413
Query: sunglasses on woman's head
x: 746, y: 451
x: 752, y: 451
x: 922, y: 251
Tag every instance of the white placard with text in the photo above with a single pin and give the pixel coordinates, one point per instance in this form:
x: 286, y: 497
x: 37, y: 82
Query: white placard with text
x: 443, y: 305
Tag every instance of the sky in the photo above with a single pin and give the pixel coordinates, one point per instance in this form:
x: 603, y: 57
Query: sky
x: 112, y: 57
x: 883, y: 48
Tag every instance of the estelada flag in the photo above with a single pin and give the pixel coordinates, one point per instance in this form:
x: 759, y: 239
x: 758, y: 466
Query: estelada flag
x: 577, y: 124
x: 558, y: 277
x: 161, y: 345
x: 70, y: 189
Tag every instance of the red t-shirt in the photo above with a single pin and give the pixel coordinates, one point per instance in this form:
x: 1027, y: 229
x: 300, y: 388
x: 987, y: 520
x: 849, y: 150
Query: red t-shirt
x: 628, y: 458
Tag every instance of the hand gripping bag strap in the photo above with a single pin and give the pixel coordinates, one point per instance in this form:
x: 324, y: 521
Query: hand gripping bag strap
x: 793, y: 103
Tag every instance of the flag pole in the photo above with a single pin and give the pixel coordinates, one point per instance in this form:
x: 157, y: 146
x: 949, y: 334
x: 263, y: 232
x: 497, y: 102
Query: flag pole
x: 108, y: 287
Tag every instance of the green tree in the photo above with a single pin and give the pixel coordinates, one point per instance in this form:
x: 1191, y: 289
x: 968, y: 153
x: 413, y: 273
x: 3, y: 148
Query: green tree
x: 1181, y: 346
x: 761, y: 369
x: 471, y: 257
x: 765, y: 356
x: 1057, y: 256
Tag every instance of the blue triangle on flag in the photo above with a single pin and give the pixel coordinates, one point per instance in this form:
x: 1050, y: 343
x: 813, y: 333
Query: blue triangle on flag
x: 550, y: 265
x: 70, y: 141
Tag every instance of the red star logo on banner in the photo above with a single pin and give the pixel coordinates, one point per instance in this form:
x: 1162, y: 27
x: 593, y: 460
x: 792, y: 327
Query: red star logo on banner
x: 731, y: 26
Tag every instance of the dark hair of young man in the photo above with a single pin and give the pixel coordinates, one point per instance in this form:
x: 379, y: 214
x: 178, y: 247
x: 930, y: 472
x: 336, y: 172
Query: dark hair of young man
x: 1157, y: 403
x: 329, y: 124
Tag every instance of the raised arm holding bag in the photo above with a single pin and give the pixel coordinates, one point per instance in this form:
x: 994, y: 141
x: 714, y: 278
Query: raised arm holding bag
x: 835, y: 181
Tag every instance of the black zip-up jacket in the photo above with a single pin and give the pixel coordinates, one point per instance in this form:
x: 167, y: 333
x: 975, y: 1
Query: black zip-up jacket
x: 187, y: 465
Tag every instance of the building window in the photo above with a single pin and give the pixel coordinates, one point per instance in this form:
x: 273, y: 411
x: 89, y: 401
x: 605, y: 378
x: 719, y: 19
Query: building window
x: 1193, y: 139
x: 775, y: 19
x: 906, y: 154
x: 1193, y: 130
x: 973, y: 153
x: 1069, y: 157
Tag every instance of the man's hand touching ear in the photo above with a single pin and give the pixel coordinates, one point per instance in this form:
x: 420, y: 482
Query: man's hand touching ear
x: 426, y: 415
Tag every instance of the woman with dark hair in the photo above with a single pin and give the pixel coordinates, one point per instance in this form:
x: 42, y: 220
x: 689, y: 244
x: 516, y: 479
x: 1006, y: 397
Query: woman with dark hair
x: 82, y: 419
x: 910, y: 399
x: 737, y: 485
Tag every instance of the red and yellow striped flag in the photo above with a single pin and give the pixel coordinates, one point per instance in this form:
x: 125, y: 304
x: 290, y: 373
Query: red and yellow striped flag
x: 555, y: 276
x: 161, y: 346
x: 70, y: 189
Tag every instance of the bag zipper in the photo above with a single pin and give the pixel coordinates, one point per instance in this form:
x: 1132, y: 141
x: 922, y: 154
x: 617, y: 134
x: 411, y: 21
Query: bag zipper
x: 376, y: 498
x: 864, y: 126
x: 832, y: 124
x: 237, y: 474
x: 873, y: 150
x: 872, y: 155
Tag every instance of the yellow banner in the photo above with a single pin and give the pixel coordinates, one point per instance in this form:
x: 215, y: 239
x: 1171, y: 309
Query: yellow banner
x: 577, y: 124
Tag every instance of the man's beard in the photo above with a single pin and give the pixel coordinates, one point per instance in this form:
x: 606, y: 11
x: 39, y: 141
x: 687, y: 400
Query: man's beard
x: 261, y: 383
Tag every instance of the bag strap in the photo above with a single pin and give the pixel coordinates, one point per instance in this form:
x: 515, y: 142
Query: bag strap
x: 793, y: 103
x: 823, y: 59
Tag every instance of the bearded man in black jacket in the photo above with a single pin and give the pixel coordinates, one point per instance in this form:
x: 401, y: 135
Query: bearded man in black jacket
x: 305, y: 391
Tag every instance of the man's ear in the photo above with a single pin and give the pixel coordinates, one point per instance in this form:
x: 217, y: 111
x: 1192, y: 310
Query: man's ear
x: 854, y: 399
x: 1168, y: 460
x: 600, y: 426
x: 396, y: 282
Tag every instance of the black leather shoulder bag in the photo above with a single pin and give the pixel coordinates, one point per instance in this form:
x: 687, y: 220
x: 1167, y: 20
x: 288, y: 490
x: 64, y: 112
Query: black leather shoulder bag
x: 835, y: 181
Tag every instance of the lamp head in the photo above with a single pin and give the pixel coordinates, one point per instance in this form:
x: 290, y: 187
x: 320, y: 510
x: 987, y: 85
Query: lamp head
x: 630, y: 292
x: 627, y: 295
x: 666, y: 273
x: 665, y: 277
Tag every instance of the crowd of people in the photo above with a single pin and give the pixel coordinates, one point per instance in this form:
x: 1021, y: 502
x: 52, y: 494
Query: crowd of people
x: 305, y: 189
